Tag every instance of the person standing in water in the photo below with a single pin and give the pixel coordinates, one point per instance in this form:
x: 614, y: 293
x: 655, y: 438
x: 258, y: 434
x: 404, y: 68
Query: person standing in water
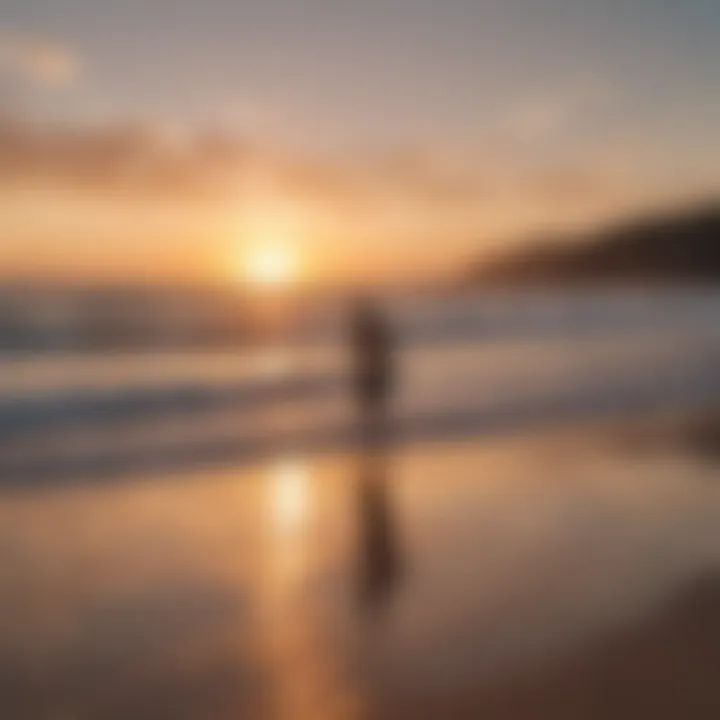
x: 372, y: 350
x: 373, y: 379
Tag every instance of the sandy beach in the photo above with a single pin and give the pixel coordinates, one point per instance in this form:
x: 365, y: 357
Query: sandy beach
x: 566, y: 574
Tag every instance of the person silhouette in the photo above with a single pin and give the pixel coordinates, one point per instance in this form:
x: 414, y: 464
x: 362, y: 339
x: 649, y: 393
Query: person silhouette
x: 372, y: 351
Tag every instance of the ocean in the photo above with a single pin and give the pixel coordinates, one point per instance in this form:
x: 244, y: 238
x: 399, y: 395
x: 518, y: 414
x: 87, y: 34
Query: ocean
x: 186, y: 537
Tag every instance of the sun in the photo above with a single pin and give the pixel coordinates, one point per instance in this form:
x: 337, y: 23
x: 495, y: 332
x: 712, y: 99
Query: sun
x: 269, y: 265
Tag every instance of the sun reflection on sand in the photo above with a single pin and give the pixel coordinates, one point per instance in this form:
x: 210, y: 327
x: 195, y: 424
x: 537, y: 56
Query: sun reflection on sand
x: 308, y: 678
x: 290, y: 497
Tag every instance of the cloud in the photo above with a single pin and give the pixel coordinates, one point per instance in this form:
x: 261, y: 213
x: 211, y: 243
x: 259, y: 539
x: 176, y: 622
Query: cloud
x: 41, y: 62
x: 139, y: 160
x: 437, y: 196
x: 543, y: 115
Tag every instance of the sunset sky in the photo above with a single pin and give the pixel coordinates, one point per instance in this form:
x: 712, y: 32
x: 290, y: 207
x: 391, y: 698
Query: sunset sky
x: 373, y: 139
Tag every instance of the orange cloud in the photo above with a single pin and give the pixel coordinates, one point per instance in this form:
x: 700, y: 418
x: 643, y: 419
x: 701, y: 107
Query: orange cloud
x: 38, y: 61
x: 122, y: 185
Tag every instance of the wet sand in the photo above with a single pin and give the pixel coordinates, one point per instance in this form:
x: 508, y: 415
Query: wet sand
x: 562, y: 575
